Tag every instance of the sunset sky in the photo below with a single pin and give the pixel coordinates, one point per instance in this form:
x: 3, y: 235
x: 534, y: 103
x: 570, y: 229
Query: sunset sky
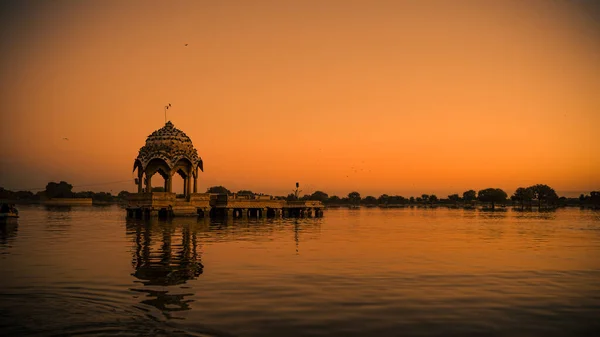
x: 396, y: 97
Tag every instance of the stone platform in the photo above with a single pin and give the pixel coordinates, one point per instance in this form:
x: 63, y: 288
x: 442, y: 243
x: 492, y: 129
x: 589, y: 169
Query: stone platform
x: 167, y: 204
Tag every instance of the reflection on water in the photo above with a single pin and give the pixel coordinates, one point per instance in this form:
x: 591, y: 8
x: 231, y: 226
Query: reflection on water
x: 360, y: 272
x: 8, y: 233
x: 166, y: 253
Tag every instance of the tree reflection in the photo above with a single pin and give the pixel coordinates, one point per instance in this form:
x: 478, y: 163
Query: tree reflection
x: 8, y: 232
x: 166, y: 254
x: 58, y: 217
x: 57, y: 208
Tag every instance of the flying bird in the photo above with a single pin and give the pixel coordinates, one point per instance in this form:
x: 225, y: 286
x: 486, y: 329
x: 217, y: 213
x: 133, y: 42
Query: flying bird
x: 186, y: 44
x: 65, y: 138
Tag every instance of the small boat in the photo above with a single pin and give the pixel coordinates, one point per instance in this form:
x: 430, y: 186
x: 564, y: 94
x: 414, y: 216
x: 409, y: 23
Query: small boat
x: 8, y: 213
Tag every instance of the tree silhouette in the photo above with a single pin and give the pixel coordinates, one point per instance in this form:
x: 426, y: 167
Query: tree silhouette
x: 523, y: 195
x: 454, y: 197
x: 595, y: 197
x: 396, y: 200
x: 123, y: 195
x: 245, y: 192
x: 543, y: 193
x: 218, y: 190
x: 319, y: 196
x: 469, y: 195
x: 492, y: 195
x: 59, y: 190
x: 370, y: 200
x: 425, y: 198
x: 334, y: 199
x: 354, y: 198
x: 433, y: 199
x: 383, y: 199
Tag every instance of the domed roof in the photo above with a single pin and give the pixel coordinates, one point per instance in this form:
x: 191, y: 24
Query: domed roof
x: 169, y: 144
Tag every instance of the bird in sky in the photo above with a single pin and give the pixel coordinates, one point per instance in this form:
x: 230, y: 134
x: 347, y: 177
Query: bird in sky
x: 65, y: 138
x: 186, y: 44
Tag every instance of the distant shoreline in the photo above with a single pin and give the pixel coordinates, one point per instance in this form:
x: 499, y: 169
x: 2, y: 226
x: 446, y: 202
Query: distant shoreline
x: 467, y: 207
x: 480, y: 207
x: 55, y: 202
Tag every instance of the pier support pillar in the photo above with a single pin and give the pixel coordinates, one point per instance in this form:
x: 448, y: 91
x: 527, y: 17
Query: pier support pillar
x: 205, y: 212
x: 230, y: 212
x: 286, y: 213
x: 278, y: 213
x: 264, y: 213
x: 308, y: 212
x: 244, y: 213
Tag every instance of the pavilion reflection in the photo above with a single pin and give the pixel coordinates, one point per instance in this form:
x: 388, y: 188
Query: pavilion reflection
x: 166, y: 255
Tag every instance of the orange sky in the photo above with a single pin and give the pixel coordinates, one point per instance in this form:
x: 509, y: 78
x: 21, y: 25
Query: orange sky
x: 397, y: 97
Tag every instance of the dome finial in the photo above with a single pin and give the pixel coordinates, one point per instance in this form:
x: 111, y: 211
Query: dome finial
x: 167, y: 108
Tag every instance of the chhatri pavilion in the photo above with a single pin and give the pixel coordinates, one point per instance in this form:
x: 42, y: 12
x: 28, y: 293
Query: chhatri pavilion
x: 169, y: 151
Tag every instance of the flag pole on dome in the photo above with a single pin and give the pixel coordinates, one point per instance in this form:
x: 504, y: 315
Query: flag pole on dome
x: 167, y: 108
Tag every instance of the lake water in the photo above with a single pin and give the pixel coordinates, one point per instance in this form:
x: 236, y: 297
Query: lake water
x: 368, y: 272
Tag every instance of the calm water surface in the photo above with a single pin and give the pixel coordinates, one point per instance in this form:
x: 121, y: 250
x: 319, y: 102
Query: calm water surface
x: 368, y: 272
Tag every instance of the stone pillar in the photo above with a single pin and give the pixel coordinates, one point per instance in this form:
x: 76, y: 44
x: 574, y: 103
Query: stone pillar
x: 196, y: 180
x: 148, y: 183
x: 308, y: 212
x: 140, y: 180
x: 185, y: 186
x: 244, y: 213
x: 286, y: 213
x: 188, y: 189
x: 206, y: 211
x: 278, y: 213
x: 265, y: 212
x: 169, y: 187
x: 230, y: 212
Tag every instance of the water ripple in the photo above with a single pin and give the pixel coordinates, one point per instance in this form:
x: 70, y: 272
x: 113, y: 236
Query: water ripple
x: 409, y: 272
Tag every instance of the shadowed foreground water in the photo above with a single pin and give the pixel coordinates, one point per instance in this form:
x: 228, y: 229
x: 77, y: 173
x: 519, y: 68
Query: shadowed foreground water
x: 369, y: 272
